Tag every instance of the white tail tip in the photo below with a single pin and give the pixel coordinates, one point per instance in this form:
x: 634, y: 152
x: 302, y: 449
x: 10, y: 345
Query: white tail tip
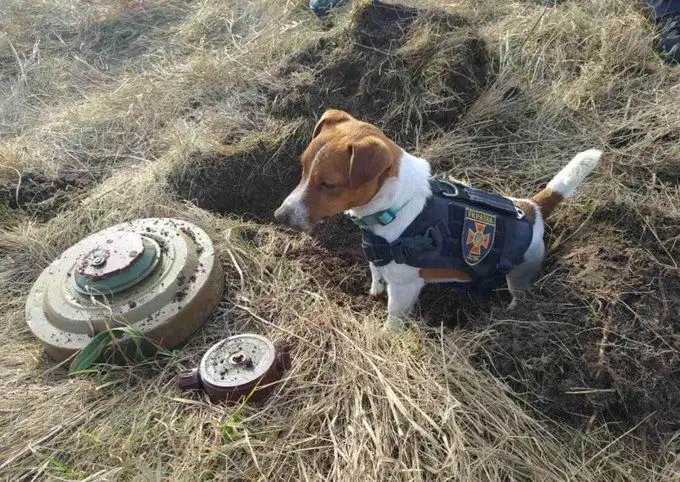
x: 572, y: 175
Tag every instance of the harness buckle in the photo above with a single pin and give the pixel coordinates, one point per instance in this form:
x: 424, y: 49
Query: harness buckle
x: 404, y: 249
x: 385, y: 217
x: 437, y: 234
x: 520, y: 212
x: 376, y: 253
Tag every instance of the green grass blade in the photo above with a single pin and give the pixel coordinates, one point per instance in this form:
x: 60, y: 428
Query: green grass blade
x: 92, y: 351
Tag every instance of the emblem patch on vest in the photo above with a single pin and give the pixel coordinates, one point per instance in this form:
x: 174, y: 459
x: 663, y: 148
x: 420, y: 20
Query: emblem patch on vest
x: 479, y: 231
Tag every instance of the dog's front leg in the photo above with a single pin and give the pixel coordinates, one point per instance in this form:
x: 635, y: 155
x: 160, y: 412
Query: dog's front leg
x: 401, y: 298
x: 377, y: 281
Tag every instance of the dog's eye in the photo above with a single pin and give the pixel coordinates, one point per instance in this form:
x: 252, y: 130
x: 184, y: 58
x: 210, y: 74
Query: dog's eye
x: 326, y: 185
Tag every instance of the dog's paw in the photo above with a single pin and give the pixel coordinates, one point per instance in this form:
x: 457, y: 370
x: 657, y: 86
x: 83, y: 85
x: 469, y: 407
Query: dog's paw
x: 377, y: 288
x: 394, y: 324
x: 514, y: 304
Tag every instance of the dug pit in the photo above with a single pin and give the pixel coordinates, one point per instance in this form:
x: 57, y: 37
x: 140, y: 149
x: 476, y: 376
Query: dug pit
x: 413, y: 72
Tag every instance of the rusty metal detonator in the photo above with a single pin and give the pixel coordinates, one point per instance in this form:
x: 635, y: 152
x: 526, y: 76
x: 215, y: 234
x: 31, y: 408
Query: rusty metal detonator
x: 243, y: 366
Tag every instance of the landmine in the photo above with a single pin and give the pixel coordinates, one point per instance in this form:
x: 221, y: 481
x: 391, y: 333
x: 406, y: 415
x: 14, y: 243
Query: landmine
x: 160, y: 276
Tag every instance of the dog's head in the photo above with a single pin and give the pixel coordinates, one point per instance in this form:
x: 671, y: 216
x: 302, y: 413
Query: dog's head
x: 343, y: 167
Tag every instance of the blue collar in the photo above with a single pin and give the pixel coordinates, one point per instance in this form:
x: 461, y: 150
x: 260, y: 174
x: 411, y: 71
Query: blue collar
x: 382, y: 218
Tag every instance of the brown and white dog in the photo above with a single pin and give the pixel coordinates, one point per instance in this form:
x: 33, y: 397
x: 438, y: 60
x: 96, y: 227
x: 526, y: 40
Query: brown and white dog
x: 351, y: 166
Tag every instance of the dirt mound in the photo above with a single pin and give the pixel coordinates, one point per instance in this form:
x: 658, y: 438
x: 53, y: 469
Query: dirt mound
x: 39, y: 194
x: 599, y: 343
x: 336, y: 260
x: 411, y: 71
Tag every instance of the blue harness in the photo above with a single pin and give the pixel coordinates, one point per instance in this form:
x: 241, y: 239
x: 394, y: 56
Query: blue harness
x: 460, y: 227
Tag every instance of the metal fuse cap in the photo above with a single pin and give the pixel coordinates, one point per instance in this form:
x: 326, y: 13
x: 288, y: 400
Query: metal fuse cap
x: 158, y: 275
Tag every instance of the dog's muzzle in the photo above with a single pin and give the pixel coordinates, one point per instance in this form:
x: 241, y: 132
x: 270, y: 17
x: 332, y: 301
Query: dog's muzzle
x: 282, y: 214
x: 292, y: 217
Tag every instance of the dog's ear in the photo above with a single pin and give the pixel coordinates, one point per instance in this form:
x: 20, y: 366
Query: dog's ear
x: 329, y: 118
x: 369, y: 158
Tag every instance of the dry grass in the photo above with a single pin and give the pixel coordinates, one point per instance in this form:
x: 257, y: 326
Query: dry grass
x: 111, y: 111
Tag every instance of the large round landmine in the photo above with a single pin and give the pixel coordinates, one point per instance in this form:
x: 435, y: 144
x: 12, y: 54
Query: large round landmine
x: 243, y: 366
x: 160, y: 276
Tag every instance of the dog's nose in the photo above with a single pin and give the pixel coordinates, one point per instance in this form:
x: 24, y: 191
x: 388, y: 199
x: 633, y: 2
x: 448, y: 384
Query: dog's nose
x: 282, y: 215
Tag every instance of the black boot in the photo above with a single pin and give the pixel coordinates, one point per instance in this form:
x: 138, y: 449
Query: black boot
x: 669, y: 43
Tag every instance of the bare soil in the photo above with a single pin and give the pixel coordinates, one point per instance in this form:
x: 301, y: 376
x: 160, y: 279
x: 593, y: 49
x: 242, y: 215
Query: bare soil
x: 41, y: 195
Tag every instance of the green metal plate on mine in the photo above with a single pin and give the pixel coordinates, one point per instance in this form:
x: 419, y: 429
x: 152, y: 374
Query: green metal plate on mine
x: 133, y: 273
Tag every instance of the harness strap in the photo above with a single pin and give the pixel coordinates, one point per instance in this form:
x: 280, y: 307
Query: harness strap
x: 451, y: 189
x: 381, y: 252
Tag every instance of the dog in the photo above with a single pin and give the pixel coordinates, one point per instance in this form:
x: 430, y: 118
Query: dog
x: 351, y: 166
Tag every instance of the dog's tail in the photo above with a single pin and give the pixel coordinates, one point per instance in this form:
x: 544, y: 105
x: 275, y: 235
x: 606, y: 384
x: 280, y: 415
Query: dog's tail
x: 565, y: 183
